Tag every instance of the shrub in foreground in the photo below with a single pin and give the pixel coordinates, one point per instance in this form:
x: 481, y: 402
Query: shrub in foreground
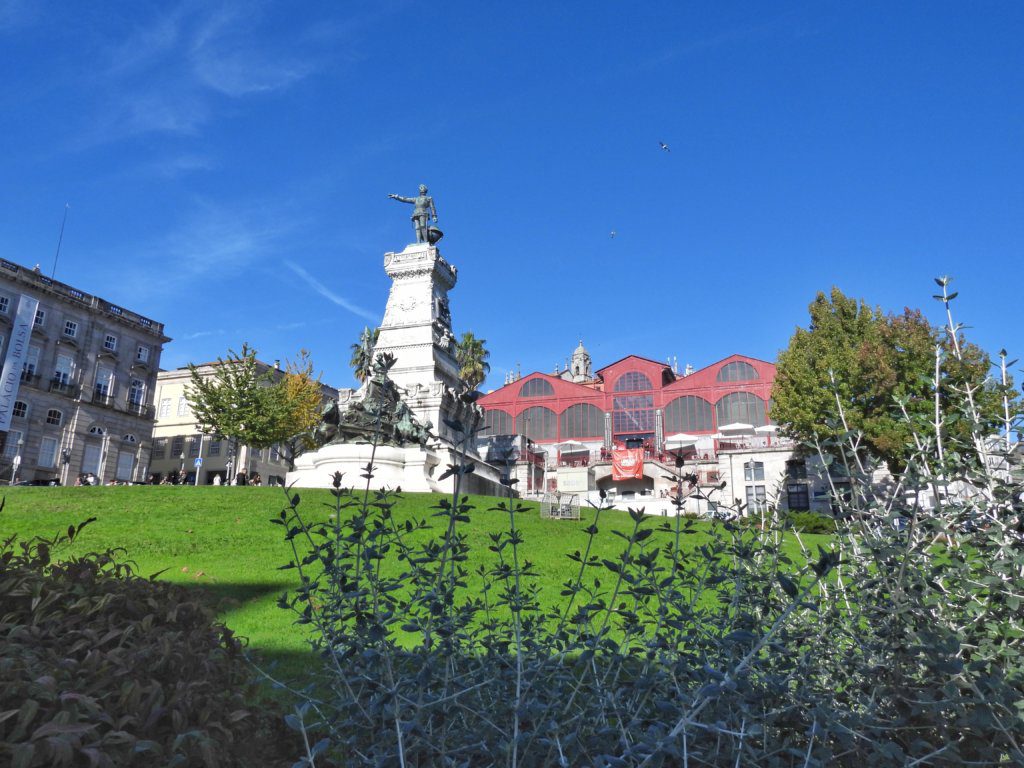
x: 899, y: 644
x: 100, y: 667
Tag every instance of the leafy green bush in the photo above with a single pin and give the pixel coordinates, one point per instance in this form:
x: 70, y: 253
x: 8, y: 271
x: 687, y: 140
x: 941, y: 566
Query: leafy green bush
x: 810, y: 522
x: 902, y: 643
x: 100, y: 667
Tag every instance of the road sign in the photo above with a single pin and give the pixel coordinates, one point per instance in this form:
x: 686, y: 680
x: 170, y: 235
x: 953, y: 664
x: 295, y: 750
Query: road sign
x: 199, y: 461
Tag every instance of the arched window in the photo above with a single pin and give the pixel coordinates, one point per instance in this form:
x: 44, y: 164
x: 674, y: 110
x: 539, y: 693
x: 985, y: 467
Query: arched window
x: 130, y: 438
x: 632, y: 381
x: 737, y: 371
x: 536, y: 388
x: 54, y: 417
x: 537, y: 423
x: 97, y: 430
x: 688, y: 414
x: 741, y: 407
x: 497, y: 422
x: 582, y: 420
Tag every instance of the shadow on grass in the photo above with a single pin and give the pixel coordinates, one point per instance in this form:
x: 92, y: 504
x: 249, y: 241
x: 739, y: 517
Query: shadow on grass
x: 223, y: 596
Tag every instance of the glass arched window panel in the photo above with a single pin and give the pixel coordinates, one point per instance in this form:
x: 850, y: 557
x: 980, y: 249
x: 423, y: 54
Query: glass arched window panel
x: 737, y: 371
x: 688, y: 414
x: 497, y: 422
x: 54, y: 417
x: 537, y: 423
x: 632, y: 381
x: 740, y: 407
x: 582, y: 420
x: 536, y: 388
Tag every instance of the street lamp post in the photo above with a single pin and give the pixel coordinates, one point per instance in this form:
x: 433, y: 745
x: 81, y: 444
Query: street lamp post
x: 181, y: 471
x: 16, y: 462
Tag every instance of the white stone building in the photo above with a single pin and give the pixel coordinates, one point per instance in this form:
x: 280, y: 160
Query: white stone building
x: 84, y: 402
x: 178, y: 441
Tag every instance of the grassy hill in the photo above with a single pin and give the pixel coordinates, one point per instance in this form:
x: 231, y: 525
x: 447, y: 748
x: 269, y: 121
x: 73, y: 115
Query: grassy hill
x: 220, y: 540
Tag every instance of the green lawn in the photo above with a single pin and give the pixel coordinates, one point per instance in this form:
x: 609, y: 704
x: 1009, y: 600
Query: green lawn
x: 221, y: 540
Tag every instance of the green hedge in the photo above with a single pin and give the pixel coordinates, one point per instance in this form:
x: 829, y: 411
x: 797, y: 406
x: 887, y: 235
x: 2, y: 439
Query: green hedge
x: 103, y: 668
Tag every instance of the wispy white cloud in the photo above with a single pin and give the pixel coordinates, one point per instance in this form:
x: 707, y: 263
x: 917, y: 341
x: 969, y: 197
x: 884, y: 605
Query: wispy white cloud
x: 291, y: 326
x: 173, y: 72
x: 202, y: 334
x: 328, y: 294
x: 178, y: 165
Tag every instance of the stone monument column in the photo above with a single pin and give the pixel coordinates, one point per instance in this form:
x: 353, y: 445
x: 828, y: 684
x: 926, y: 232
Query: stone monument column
x: 417, y: 330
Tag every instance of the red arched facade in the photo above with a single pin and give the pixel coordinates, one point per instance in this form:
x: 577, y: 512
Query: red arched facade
x: 633, y: 397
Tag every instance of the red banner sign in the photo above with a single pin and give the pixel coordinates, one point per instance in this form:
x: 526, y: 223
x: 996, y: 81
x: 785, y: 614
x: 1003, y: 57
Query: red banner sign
x: 627, y: 463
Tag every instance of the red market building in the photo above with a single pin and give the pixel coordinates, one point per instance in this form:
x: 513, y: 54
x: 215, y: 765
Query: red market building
x: 634, y: 401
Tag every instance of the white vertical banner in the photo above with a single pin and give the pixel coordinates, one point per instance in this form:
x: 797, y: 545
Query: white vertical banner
x: 17, y: 353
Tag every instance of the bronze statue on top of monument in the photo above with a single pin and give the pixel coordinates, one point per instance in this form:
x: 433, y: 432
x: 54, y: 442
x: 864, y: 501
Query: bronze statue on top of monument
x: 423, y: 210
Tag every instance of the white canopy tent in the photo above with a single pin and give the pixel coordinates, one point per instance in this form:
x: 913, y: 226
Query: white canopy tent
x: 736, y: 429
x: 680, y: 440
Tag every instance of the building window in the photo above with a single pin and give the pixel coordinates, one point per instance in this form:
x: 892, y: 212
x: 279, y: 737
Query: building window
x: 11, y: 443
x: 581, y: 420
x: 215, y: 447
x: 142, y: 354
x: 70, y: 329
x: 54, y: 417
x: 159, y: 447
x: 20, y: 409
x: 257, y: 454
x: 97, y: 430
x: 63, y: 369
x: 740, y: 408
x: 275, y: 453
x: 536, y: 388
x: 110, y: 343
x: 177, y: 446
x: 633, y: 414
x: 537, y: 423
x: 193, y: 446
x: 31, y: 363
x: 689, y: 414
x: 40, y: 317
x: 753, y: 471
x: 5, y: 305
x: 798, y: 496
x: 498, y: 422
x: 796, y: 469
x: 137, y: 392
x: 104, y: 381
x: 182, y: 406
x: 632, y: 381
x: 737, y: 371
x: 757, y: 501
x: 48, y: 452
x: 165, y: 407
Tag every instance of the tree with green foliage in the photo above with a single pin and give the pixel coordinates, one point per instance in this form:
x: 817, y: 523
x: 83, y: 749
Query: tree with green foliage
x: 362, y: 353
x: 252, y: 404
x: 471, y: 355
x: 879, y: 367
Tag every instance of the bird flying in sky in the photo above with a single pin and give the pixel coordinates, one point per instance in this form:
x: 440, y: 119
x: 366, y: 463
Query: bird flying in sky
x: 664, y: 146
x: 612, y: 233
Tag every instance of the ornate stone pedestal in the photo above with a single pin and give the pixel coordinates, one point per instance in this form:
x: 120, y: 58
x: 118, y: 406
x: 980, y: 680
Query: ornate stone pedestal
x: 417, y: 331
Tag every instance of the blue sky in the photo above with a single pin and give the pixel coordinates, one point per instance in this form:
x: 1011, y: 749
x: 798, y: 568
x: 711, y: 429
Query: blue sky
x: 227, y: 166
